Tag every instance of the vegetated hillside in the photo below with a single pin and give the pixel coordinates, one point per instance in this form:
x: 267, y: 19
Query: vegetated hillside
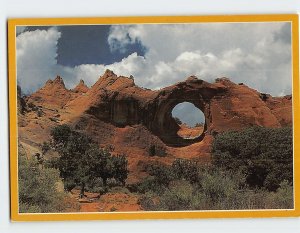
x: 137, y: 122
x: 122, y: 126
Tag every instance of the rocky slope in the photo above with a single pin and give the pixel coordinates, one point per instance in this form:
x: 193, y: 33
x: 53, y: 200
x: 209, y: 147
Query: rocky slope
x: 119, y: 114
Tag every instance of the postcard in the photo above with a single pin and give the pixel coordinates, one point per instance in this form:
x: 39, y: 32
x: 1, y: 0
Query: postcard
x: 154, y: 117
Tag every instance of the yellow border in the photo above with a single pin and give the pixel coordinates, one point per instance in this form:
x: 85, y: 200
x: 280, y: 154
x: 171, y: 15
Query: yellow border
x: 12, y: 23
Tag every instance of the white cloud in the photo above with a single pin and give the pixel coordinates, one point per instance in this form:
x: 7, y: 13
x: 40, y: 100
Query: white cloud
x: 257, y: 54
x: 122, y: 35
x: 253, y: 53
x: 36, y: 58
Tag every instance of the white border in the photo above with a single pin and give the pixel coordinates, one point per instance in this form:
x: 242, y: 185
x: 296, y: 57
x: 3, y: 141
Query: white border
x: 90, y: 8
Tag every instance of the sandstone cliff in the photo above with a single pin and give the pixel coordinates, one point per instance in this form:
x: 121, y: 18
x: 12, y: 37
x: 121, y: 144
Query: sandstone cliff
x: 116, y: 112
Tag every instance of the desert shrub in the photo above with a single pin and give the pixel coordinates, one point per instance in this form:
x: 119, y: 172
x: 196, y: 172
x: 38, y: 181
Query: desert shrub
x: 152, y: 150
x: 283, y: 198
x: 218, y: 186
x: 149, y: 201
x: 217, y: 190
x: 32, y: 106
x: 251, y: 169
x: 37, y: 187
x: 162, y: 174
x: 181, y: 195
x: 45, y: 147
x: 39, y: 112
x: 149, y: 184
x: 264, y: 155
x: 186, y: 169
x: 264, y: 199
x: 119, y: 189
x: 29, y: 208
x: 51, y: 162
x: 155, y: 150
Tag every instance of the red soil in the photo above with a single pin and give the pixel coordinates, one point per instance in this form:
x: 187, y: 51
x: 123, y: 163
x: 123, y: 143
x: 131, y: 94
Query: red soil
x: 110, y: 202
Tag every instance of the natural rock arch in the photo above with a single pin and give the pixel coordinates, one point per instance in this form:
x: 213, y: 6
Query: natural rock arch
x: 116, y: 100
x: 164, y: 124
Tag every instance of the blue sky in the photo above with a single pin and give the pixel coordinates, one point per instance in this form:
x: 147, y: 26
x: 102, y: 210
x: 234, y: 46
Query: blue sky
x: 88, y: 45
x: 158, y: 55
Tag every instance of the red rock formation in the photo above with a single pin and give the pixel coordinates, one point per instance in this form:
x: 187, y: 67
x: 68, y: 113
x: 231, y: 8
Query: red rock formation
x: 281, y: 107
x: 118, y: 101
x: 226, y: 106
x: 81, y: 87
x: 114, y: 111
x: 53, y: 95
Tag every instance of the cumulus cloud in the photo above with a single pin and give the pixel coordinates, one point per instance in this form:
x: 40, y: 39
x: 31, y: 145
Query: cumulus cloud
x: 36, y: 62
x: 121, y: 36
x: 257, y: 54
x: 36, y: 58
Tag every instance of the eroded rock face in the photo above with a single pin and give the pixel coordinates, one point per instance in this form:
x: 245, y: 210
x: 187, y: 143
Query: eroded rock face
x: 118, y: 101
x: 81, y: 87
x: 115, y: 112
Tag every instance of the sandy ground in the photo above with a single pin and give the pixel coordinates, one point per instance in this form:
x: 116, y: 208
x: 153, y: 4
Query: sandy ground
x: 109, y: 202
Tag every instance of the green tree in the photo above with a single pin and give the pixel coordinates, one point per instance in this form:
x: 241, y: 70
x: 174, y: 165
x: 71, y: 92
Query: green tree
x: 60, y: 136
x: 74, y: 167
x: 81, y: 160
x: 120, y: 168
x: 264, y: 155
x: 101, y: 164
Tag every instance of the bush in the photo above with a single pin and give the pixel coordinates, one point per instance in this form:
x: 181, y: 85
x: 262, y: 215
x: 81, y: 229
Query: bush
x: 37, y: 187
x: 216, y: 190
x: 29, y: 208
x: 283, y: 198
x: 186, y: 169
x: 181, y: 195
x: 45, y: 147
x: 155, y: 150
x: 40, y: 112
x: 149, y: 184
x: 149, y: 201
x: 264, y: 155
x: 152, y: 150
x: 162, y: 174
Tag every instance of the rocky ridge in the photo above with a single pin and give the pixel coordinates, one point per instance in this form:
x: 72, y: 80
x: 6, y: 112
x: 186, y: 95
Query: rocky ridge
x: 118, y: 113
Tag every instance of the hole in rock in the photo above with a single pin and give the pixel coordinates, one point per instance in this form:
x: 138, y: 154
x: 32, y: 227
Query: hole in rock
x: 190, y: 119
